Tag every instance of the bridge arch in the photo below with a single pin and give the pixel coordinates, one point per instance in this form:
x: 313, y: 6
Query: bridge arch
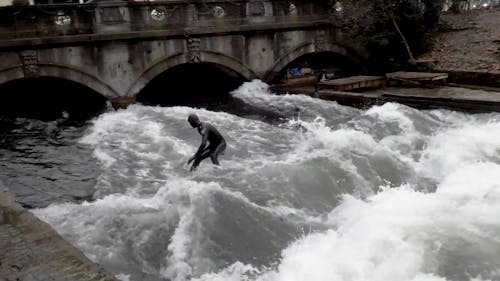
x: 205, y: 57
x: 310, y: 48
x: 62, y: 72
x: 49, y: 96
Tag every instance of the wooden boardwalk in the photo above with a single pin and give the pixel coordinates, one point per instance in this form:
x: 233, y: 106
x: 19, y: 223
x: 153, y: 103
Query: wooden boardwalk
x: 352, y: 83
x: 457, y: 97
x: 417, y: 78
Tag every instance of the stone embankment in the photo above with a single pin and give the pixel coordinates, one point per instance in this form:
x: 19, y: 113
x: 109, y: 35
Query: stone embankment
x: 30, y: 250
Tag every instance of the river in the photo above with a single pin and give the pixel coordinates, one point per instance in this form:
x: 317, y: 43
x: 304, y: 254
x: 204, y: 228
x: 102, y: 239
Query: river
x: 318, y: 191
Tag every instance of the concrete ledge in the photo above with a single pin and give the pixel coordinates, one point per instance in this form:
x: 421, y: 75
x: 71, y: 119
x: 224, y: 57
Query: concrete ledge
x: 490, y: 79
x: 32, y: 251
x: 487, y: 102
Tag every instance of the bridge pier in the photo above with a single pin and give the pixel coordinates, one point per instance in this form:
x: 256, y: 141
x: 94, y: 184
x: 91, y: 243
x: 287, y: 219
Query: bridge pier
x: 122, y: 102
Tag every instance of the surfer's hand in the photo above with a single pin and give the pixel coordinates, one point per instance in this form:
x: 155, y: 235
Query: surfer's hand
x: 190, y: 159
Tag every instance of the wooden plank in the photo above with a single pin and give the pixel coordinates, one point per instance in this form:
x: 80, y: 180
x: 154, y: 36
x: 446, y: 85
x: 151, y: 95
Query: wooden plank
x: 417, y: 76
x: 352, y: 79
x: 298, y: 81
x: 407, y: 81
x: 353, y: 82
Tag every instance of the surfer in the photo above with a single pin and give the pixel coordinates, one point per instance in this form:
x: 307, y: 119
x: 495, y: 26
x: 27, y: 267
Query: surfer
x: 215, y: 146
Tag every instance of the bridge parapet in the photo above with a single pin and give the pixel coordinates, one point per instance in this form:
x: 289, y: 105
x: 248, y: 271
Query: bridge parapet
x: 120, y: 20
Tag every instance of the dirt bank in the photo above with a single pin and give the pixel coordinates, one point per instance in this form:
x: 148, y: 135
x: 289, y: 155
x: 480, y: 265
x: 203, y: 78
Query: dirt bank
x: 469, y: 41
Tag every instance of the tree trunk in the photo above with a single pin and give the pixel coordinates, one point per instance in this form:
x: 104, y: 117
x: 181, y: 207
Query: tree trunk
x: 408, y: 49
x: 432, y: 12
x: 455, y: 6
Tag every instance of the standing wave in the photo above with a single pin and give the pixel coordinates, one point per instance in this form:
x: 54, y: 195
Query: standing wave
x: 327, y: 193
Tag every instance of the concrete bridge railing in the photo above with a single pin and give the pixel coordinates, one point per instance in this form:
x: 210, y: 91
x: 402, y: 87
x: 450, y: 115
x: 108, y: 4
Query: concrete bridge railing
x: 64, y: 23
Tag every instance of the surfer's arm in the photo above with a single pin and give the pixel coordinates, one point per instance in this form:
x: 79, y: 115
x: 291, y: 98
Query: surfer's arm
x: 204, y: 140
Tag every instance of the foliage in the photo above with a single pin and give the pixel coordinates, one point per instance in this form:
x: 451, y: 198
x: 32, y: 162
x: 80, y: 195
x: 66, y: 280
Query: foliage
x: 456, y: 5
x: 386, y: 27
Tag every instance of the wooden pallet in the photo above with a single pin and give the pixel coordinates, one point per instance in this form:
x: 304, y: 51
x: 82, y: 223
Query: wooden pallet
x: 417, y: 78
x: 353, y: 82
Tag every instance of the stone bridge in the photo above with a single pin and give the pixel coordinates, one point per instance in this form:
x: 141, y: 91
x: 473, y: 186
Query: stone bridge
x: 118, y: 48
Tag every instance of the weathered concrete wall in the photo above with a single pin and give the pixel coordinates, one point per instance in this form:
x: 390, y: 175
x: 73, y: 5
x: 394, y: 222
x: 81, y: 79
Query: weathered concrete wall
x: 472, y: 77
x: 32, y: 251
x: 4, y: 3
x: 120, y: 48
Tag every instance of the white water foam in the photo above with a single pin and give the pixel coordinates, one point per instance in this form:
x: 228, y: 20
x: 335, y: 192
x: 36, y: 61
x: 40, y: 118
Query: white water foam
x: 153, y: 230
x: 257, y: 93
x: 119, y: 231
x: 399, y: 234
x: 452, y: 148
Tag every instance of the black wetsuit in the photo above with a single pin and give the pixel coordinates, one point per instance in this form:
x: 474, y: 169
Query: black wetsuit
x: 216, y: 145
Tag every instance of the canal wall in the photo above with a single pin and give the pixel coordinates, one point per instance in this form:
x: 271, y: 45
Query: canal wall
x: 479, y: 78
x: 32, y: 251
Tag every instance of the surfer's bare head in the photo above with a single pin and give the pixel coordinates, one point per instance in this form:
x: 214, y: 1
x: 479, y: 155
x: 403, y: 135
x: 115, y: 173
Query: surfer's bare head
x: 194, y: 120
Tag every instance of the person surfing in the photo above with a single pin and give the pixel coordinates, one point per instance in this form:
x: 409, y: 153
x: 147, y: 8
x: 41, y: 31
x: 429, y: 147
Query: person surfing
x: 212, y: 143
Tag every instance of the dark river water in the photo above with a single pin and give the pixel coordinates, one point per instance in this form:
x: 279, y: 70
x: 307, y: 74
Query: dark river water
x: 311, y: 191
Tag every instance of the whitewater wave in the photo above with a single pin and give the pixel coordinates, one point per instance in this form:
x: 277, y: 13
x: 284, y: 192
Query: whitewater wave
x: 330, y: 193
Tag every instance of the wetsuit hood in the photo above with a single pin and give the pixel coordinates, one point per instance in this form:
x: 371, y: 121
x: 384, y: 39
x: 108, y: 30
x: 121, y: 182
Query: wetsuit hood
x: 194, y: 120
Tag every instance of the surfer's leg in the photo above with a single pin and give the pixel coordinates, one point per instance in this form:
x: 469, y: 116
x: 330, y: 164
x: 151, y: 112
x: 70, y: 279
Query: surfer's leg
x: 216, y: 152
